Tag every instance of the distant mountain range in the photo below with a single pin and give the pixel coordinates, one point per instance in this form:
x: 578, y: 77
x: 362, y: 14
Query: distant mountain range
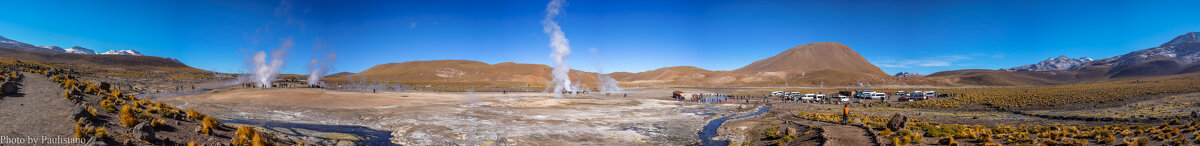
x: 1060, y: 63
x: 13, y: 44
x: 909, y: 74
x: 125, y: 59
x: 1177, y: 56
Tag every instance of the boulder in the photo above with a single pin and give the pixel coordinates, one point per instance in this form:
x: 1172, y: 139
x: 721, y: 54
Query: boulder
x: 897, y: 122
x: 105, y: 86
x: 144, y: 131
x: 8, y: 88
x: 791, y: 131
x: 79, y: 112
x: 1194, y: 115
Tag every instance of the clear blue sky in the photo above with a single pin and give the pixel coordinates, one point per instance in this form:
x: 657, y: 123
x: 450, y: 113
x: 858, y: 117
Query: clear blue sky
x: 629, y: 35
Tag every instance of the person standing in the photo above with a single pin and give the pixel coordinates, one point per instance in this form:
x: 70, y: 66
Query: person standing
x: 845, y: 114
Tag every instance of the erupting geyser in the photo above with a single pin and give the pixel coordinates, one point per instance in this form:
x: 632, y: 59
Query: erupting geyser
x: 558, y: 41
x: 265, y: 72
x: 318, y: 69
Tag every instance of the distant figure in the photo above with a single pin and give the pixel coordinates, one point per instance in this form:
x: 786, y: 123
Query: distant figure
x: 845, y: 114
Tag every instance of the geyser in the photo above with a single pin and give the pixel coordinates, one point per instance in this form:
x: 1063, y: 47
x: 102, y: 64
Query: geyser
x: 561, y: 47
x: 318, y: 68
x: 265, y: 72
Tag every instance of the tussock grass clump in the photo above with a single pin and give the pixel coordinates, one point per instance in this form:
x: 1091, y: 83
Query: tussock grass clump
x: 108, y: 106
x: 101, y: 133
x: 207, y: 124
x: 127, y: 116
x: 248, y: 136
x: 1135, y: 141
x: 192, y: 114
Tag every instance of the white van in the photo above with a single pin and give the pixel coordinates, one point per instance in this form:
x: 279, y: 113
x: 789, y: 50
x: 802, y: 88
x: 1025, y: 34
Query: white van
x: 808, y: 97
x: 879, y: 96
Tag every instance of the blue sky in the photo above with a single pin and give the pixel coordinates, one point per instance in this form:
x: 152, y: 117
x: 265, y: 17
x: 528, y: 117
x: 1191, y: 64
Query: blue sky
x: 627, y: 35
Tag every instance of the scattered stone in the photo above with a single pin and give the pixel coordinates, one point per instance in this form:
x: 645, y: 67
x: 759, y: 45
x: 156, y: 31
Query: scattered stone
x: 198, y: 129
x: 144, y: 131
x: 898, y: 121
x: 791, y: 131
x: 105, y: 86
x: 8, y: 88
x: 79, y: 112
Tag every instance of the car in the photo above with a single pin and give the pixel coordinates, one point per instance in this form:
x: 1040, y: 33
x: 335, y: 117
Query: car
x: 808, y: 97
x: 819, y: 97
x: 915, y: 96
x: 777, y: 93
x: 879, y: 96
x: 930, y: 94
x: 839, y: 97
x: 864, y: 94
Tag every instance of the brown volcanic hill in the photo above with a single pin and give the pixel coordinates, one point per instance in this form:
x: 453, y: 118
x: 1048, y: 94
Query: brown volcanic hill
x: 815, y: 57
x: 467, y: 70
x: 144, y: 63
x: 339, y: 75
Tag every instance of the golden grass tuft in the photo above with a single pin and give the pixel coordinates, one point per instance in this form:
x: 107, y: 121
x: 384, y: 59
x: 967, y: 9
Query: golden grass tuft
x: 248, y: 136
x: 102, y: 133
x: 127, y: 117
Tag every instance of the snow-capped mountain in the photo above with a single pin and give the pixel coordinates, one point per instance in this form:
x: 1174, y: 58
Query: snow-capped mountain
x: 7, y: 43
x: 909, y: 74
x: 1180, y: 55
x: 122, y: 52
x: 80, y: 50
x: 1060, y: 63
x: 54, y: 49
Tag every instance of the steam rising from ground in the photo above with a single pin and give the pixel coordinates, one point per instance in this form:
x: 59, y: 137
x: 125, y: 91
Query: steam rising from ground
x: 609, y: 85
x: 558, y: 41
x: 319, y: 68
x: 265, y: 72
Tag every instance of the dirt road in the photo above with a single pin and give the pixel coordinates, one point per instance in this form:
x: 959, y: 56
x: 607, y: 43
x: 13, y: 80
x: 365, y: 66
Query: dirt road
x: 836, y: 134
x: 40, y: 111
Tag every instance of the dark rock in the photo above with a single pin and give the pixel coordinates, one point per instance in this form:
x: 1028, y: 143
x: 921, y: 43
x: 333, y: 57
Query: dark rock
x: 105, y: 86
x: 8, y: 88
x: 78, y: 112
x: 1194, y: 115
x: 897, y: 122
x: 144, y: 131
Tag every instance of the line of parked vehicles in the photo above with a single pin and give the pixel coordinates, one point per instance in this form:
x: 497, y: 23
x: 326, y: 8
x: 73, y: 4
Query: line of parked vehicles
x: 861, y: 94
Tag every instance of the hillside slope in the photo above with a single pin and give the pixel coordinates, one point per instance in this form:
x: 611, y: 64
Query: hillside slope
x: 814, y: 57
x: 144, y: 63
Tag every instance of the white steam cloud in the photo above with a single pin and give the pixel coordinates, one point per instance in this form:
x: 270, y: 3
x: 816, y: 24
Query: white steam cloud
x: 265, y: 72
x: 558, y: 41
x: 319, y: 68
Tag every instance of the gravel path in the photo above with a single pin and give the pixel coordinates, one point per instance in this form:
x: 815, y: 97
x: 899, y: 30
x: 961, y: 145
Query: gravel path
x: 836, y: 134
x: 41, y: 111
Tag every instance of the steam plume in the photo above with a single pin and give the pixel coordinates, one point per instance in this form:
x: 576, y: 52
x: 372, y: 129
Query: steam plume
x: 265, y: 72
x: 558, y: 41
x: 318, y: 69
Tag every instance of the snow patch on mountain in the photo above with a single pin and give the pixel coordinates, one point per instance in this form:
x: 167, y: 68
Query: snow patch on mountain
x: 122, y: 52
x: 54, y: 49
x: 909, y: 74
x: 1060, y: 63
x: 80, y: 50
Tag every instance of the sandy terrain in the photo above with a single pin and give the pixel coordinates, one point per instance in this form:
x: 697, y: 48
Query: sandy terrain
x: 38, y: 110
x: 471, y: 118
